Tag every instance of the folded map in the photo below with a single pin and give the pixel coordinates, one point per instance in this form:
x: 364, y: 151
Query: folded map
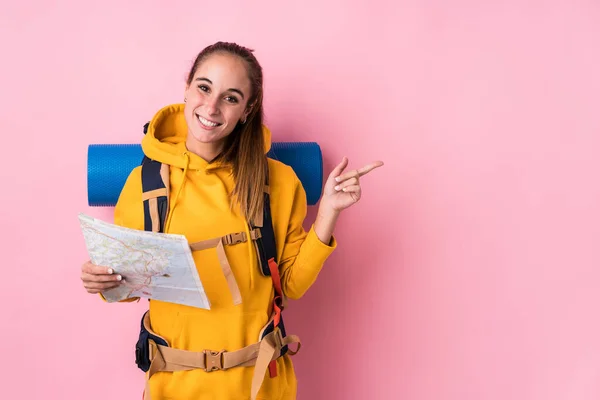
x: 156, y: 266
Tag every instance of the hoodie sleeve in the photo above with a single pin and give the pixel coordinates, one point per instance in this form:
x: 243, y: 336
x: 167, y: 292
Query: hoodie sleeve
x: 129, y: 210
x: 304, y: 254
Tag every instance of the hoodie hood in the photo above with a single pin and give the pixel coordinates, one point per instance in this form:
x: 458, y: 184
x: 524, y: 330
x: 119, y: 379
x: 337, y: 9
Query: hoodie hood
x: 166, y: 136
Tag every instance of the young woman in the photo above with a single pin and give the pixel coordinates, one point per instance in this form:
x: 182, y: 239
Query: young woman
x: 214, y: 145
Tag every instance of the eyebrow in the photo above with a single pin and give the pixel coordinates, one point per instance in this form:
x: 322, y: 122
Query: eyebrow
x: 230, y: 89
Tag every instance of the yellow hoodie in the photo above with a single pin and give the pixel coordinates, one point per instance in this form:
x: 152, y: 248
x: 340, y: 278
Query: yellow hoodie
x: 200, y: 210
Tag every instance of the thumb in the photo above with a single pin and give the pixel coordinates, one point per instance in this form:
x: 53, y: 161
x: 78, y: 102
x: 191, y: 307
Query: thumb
x: 337, y: 171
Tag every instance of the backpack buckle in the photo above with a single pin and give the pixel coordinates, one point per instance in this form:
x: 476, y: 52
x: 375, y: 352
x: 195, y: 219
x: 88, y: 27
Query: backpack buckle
x: 235, y: 238
x: 213, y: 360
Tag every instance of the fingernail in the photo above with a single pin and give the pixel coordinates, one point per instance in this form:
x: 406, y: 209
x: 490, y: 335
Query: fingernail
x: 110, y: 271
x: 337, y: 188
x: 119, y: 277
x: 337, y: 179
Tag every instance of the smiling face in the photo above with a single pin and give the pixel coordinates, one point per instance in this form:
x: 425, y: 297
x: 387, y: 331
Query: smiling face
x: 216, y: 101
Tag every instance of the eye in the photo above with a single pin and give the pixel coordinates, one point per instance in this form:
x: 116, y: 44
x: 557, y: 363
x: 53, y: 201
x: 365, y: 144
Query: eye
x: 204, y: 88
x: 231, y: 99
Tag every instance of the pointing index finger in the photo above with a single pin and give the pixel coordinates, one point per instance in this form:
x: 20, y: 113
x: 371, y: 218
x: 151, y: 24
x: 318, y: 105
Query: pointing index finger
x: 360, y: 172
x: 370, y: 167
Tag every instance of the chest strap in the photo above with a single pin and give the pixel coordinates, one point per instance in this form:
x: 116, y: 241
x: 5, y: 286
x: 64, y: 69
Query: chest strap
x: 219, y: 243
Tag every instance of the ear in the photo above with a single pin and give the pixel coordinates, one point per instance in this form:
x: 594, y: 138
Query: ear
x: 248, y: 110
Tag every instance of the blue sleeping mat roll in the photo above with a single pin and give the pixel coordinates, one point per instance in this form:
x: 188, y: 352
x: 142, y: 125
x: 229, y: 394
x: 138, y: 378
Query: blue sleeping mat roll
x: 109, y: 166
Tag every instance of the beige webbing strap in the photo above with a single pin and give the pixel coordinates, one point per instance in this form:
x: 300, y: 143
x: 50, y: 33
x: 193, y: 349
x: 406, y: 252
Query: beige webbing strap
x: 230, y: 240
x: 205, y: 244
x: 172, y: 360
x: 153, y: 208
x: 167, y: 359
x: 157, y: 364
x: 218, y: 243
x: 269, y: 350
x: 164, y: 174
x: 265, y: 355
x: 226, y: 268
x: 154, y: 193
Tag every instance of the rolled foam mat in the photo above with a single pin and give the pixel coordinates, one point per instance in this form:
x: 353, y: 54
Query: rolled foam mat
x: 109, y: 166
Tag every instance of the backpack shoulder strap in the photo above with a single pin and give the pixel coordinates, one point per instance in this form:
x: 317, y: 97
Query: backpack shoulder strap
x: 267, y: 254
x: 155, y: 194
x: 266, y: 246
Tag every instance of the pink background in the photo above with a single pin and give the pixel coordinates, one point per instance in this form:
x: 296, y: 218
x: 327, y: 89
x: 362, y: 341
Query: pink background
x: 470, y: 269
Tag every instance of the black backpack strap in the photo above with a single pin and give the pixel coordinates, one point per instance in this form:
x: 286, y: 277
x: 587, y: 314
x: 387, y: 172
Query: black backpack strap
x: 155, y: 197
x: 155, y: 194
x: 267, y: 253
x: 265, y: 244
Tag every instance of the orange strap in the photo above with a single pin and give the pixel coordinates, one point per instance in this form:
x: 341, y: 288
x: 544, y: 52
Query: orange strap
x: 277, y: 306
x: 274, y: 268
x: 273, y: 369
x: 277, y: 300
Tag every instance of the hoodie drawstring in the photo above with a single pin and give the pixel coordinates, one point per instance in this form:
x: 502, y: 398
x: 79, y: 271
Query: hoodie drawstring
x: 185, y: 169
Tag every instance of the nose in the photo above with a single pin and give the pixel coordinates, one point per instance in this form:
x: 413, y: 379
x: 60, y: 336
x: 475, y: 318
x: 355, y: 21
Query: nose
x: 212, y: 105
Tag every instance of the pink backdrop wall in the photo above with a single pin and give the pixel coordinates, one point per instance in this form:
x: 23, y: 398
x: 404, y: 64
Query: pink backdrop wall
x: 470, y: 270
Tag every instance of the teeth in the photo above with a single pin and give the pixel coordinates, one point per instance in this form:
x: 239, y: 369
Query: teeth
x: 207, y: 122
